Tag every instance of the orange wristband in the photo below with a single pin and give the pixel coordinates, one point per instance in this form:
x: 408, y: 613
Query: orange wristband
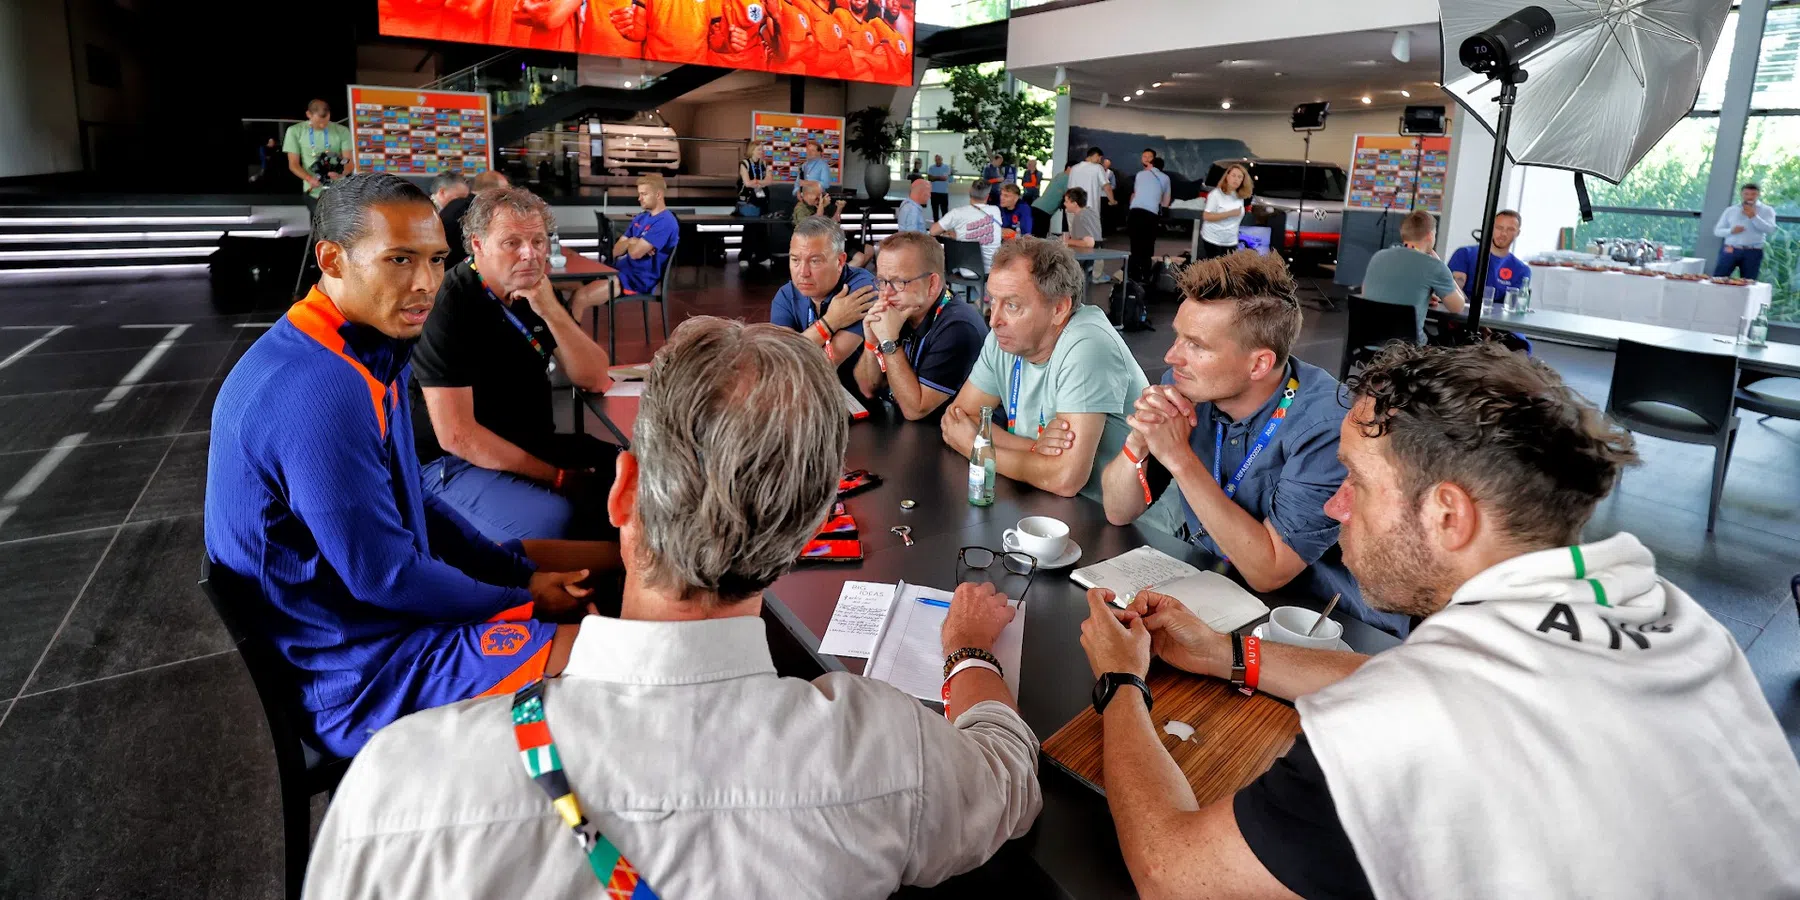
x: 1252, y: 664
x: 1143, y: 480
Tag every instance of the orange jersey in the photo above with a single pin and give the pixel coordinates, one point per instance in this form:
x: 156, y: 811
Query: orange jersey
x: 506, y: 29
x: 676, y: 31
x: 852, y: 60
x: 748, y: 17
x: 893, y: 56
x: 600, y: 37
x: 795, y: 47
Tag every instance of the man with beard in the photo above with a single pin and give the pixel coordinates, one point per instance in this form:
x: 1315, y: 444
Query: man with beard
x: 1563, y: 723
x: 1247, y: 432
x: 1505, y: 271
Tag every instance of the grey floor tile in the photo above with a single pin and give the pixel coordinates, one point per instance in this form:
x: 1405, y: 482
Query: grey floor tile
x: 157, y: 784
x: 1775, y: 658
x: 179, y: 487
x: 38, y: 421
x: 1745, y: 632
x: 144, y: 608
x: 185, y: 361
x: 94, y: 485
x: 1735, y: 571
x: 38, y: 581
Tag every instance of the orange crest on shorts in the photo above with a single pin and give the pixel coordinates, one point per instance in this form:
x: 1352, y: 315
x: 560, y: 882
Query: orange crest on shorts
x: 504, y: 640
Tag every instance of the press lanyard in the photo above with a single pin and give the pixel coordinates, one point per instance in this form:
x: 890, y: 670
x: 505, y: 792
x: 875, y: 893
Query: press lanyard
x: 544, y: 765
x: 310, y: 131
x: 918, y: 337
x: 1256, y: 449
x: 1012, y: 405
x: 506, y: 311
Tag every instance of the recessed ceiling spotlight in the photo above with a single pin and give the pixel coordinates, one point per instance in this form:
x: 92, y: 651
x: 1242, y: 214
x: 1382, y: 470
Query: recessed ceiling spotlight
x: 1367, y: 100
x: 1126, y: 98
x: 1279, y: 74
x: 628, y: 82
x: 1140, y: 93
x: 1156, y: 84
x: 1406, y: 93
x: 1225, y: 104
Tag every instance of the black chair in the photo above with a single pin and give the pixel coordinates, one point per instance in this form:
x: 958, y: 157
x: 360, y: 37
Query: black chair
x: 603, y: 228
x: 967, y: 256
x: 304, y: 770
x: 1373, y: 325
x: 1678, y: 395
x: 659, y: 294
x: 1776, y: 397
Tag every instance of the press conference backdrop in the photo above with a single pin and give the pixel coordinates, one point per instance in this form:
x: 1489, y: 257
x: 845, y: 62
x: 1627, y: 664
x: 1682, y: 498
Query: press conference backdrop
x: 791, y: 37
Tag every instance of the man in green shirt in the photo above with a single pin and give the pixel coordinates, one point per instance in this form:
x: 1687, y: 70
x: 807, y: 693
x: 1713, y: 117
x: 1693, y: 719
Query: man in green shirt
x: 306, y: 140
x: 1050, y: 361
x: 1048, y: 202
x: 1411, y: 274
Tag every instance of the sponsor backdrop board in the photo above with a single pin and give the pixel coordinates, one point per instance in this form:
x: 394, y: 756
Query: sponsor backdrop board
x: 784, y: 137
x: 406, y: 131
x: 789, y: 37
x: 1388, y: 170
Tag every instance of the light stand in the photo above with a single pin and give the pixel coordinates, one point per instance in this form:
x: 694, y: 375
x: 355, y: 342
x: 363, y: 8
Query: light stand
x: 1510, y: 77
x: 1300, y: 218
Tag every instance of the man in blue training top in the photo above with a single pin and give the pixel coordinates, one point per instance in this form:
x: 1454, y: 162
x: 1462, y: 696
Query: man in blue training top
x: 1505, y: 271
x: 816, y: 167
x: 382, y: 599
x: 827, y: 299
x: 640, y: 253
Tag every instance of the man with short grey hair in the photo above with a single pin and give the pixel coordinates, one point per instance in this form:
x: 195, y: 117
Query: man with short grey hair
x: 487, y: 435
x: 827, y: 298
x: 670, y: 737
x: 448, y: 187
x: 1060, y: 367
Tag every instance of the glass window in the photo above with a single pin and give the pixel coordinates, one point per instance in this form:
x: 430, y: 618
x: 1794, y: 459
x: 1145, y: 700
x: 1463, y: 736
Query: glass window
x: 1776, y: 86
x: 1769, y: 161
x: 1671, y: 176
x: 1712, y: 84
x: 1680, y: 231
x: 957, y: 13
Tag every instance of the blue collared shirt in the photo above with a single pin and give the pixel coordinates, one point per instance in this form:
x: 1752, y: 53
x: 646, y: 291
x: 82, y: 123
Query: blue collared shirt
x: 1756, y: 229
x: 818, y: 170
x: 793, y: 309
x: 1148, y: 190
x: 940, y: 187
x: 913, y: 217
x: 1288, y: 485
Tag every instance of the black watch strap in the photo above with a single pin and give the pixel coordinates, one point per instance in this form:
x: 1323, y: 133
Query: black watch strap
x: 1238, y: 670
x: 1109, y: 684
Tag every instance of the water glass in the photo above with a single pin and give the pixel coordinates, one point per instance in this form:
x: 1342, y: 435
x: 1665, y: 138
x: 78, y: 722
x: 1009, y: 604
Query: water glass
x: 1512, y: 300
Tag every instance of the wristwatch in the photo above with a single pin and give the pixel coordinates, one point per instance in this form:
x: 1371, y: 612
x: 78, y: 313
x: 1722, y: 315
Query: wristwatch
x: 1110, y: 683
x: 886, y: 347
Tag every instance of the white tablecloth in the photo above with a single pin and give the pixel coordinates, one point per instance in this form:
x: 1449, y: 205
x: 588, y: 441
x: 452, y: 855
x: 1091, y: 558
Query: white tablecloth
x: 1687, y: 265
x: 1692, y: 305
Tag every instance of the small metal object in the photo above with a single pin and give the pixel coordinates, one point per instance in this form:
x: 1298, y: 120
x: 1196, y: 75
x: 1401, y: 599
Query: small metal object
x: 907, y: 504
x: 1328, y: 608
x: 905, y: 533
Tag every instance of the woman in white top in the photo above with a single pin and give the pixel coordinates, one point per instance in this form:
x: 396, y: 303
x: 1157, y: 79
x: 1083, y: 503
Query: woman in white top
x: 1224, y: 212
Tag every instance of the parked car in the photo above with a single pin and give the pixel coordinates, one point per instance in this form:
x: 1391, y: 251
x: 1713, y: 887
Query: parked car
x: 1314, y: 215
x: 625, y: 143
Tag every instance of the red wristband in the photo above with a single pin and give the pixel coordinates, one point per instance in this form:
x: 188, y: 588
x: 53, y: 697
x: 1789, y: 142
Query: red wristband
x: 880, y: 360
x: 823, y: 329
x: 1252, y: 664
x: 556, y: 484
x: 1143, y: 480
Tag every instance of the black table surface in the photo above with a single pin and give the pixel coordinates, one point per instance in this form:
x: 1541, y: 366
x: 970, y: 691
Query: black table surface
x: 1073, y: 846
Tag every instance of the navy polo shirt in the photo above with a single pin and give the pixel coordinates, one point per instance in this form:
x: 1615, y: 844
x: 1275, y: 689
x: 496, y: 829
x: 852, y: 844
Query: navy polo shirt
x: 943, y: 349
x: 1289, y: 483
x: 793, y: 309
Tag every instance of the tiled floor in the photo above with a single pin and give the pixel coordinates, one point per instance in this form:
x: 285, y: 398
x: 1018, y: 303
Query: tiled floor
x: 133, y: 756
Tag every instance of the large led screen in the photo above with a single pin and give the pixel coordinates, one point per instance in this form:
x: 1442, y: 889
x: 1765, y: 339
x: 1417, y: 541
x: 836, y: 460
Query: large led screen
x: 855, y: 40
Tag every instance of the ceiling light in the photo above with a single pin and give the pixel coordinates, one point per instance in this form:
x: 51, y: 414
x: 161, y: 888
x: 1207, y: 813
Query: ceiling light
x: 1402, y: 49
x: 1279, y: 74
x: 1126, y: 98
x: 1406, y: 93
x: 1225, y: 104
x: 1156, y: 84
x: 552, y: 76
x: 1140, y: 93
x: 628, y: 82
x: 1366, y: 100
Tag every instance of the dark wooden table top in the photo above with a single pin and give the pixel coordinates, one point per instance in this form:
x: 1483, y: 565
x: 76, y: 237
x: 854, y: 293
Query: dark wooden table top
x: 1073, y: 845
x: 580, y: 267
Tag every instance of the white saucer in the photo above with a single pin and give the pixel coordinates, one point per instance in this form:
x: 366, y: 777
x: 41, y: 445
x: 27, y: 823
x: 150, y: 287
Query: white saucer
x: 1067, y: 559
x: 1261, y: 632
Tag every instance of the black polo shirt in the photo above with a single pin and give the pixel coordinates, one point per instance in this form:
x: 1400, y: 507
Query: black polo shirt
x: 469, y: 341
x: 1290, y: 822
x: 451, y: 216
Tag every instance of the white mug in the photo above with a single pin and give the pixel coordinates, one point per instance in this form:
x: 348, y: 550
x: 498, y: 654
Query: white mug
x: 1040, y: 536
x: 1288, y: 625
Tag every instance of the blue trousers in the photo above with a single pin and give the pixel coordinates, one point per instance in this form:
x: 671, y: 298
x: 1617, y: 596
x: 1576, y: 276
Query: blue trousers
x: 504, y: 506
x: 1747, y: 260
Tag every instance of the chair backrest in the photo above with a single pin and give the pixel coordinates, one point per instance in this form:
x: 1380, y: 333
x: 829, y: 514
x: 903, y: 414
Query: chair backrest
x: 233, y: 597
x: 1374, y: 323
x: 780, y: 199
x: 604, y: 228
x: 963, y: 255
x: 662, y: 280
x: 1704, y: 384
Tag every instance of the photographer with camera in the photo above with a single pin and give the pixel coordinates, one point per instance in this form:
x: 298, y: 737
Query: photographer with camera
x: 318, y: 151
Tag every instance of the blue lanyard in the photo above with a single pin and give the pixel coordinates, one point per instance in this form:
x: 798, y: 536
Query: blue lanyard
x: 1256, y: 449
x: 1012, y: 406
x: 310, y: 131
x: 917, y: 338
x: 508, y: 313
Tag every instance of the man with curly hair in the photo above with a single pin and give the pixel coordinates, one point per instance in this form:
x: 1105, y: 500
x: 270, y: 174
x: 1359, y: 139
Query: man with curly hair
x: 1563, y: 723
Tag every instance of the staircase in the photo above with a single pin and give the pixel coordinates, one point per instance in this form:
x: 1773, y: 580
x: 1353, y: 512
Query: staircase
x: 119, y: 238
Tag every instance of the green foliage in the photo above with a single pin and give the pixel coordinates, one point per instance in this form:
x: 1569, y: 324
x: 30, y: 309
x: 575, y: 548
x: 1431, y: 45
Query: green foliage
x: 873, y: 137
x: 991, y: 117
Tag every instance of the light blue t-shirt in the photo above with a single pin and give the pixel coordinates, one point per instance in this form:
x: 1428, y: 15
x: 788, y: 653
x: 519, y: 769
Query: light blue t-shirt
x: 940, y: 187
x: 1407, y: 277
x: 1090, y: 371
x: 1147, y: 192
x: 913, y: 217
x: 818, y: 170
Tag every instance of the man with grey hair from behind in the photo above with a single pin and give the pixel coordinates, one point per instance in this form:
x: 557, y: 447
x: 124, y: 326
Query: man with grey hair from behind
x: 676, y: 745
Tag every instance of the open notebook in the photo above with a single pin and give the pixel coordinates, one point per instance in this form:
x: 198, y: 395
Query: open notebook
x: 907, y: 651
x: 1217, y: 600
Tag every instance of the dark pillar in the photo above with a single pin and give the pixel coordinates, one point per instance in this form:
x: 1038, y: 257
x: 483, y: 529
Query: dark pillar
x: 796, y: 94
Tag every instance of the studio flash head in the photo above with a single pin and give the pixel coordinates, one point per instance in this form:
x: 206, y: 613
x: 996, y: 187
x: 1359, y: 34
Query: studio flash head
x: 1508, y: 42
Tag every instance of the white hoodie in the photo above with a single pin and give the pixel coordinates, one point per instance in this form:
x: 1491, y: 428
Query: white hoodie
x: 1570, y: 725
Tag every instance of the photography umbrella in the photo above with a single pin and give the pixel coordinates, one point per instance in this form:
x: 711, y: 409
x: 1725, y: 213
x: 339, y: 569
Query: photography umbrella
x: 1606, y: 82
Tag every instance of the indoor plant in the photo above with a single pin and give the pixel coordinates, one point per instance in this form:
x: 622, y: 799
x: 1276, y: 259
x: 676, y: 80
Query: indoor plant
x: 874, y: 138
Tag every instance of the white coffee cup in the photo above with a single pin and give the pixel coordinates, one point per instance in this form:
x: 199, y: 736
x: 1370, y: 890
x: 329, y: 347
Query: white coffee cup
x: 1289, y: 624
x: 1040, y: 536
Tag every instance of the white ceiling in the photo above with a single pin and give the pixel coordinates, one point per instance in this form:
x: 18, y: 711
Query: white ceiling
x: 1265, y: 77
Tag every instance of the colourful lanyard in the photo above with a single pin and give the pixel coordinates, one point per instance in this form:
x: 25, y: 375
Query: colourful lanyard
x: 1012, y: 405
x: 310, y: 131
x: 544, y: 764
x: 506, y: 311
x: 1262, y: 441
x: 925, y: 329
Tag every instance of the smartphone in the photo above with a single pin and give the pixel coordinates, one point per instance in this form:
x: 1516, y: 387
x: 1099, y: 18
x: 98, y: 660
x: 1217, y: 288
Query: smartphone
x: 840, y: 528
x: 856, y: 482
x: 832, y: 551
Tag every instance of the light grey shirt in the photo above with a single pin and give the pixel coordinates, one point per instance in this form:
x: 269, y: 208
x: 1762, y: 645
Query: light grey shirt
x: 1756, y: 228
x: 713, y: 775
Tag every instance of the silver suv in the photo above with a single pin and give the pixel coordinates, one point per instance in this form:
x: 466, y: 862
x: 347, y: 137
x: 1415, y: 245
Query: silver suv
x: 1316, y: 214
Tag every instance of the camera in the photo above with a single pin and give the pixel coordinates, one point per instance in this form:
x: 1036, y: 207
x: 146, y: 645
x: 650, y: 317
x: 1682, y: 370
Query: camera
x: 1507, y: 42
x: 326, y: 163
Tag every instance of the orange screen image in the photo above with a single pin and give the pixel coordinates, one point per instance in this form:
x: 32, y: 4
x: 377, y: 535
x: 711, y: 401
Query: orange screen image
x: 855, y: 40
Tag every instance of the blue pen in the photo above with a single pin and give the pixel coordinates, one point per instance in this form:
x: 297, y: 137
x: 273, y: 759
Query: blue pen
x: 930, y: 602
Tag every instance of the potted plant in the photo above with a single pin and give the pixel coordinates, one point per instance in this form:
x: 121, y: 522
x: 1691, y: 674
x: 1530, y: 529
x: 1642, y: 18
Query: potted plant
x: 876, y: 139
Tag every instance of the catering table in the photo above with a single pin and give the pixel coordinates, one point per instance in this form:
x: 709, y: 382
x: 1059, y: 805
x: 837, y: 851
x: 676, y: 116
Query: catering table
x: 1648, y: 299
x: 1072, y: 851
x: 1602, y: 333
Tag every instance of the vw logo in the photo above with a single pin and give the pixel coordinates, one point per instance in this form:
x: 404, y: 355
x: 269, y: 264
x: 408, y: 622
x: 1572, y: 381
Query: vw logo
x: 1319, y: 215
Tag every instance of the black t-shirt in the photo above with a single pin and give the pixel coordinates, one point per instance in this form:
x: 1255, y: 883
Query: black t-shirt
x: 451, y: 217
x: 470, y: 342
x: 1290, y: 822
x: 944, y: 349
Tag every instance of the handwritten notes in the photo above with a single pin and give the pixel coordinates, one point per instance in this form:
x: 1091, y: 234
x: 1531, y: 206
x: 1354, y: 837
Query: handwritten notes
x: 861, y: 609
